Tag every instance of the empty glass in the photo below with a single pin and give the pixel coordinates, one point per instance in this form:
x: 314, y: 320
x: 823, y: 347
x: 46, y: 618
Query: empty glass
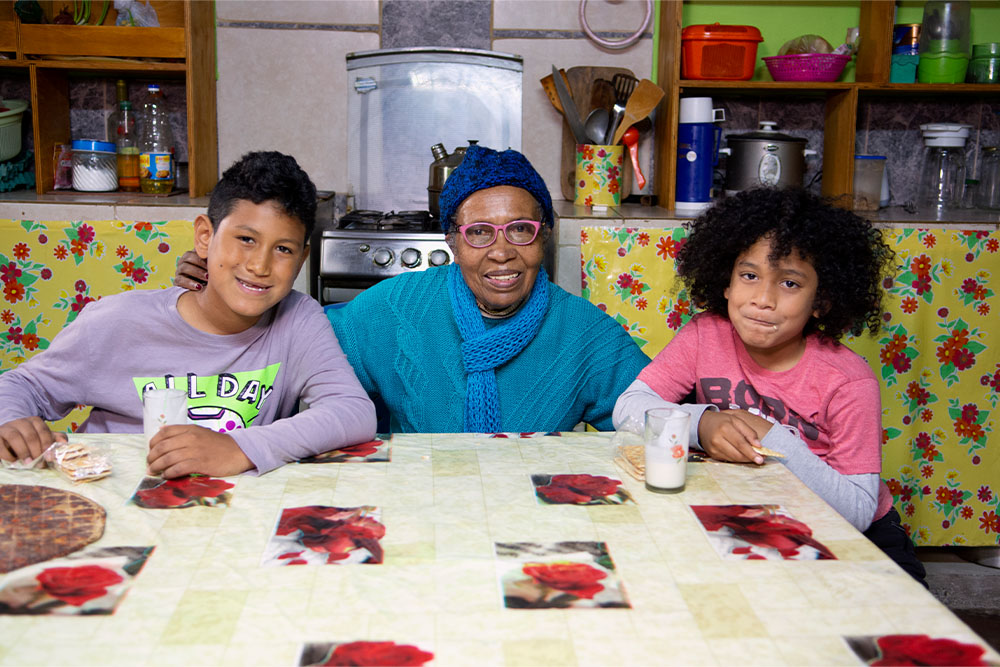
x: 943, y: 180
x: 988, y: 195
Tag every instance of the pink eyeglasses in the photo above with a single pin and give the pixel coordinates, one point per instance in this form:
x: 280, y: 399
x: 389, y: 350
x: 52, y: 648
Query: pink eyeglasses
x: 484, y: 234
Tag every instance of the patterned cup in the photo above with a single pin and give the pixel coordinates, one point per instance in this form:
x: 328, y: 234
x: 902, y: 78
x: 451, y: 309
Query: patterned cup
x: 599, y: 175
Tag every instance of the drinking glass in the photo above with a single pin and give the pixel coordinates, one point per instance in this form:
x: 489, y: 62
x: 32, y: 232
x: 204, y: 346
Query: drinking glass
x: 666, y: 449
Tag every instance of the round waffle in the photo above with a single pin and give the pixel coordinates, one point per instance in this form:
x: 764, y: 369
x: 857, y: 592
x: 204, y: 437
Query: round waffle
x: 38, y: 523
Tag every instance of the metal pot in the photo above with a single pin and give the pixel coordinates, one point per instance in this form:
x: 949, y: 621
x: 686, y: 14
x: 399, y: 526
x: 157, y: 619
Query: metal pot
x: 765, y: 157
x: 440, y: 170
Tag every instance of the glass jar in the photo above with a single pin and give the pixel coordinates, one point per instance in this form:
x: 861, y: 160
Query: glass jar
x: 988, y: 195
x: 95, y: 166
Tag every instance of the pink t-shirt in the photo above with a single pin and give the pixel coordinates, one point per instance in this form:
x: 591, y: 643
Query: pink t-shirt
x: 831, y: 396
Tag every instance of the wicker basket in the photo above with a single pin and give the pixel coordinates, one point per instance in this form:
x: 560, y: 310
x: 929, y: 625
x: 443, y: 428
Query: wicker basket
x: 807, y: 66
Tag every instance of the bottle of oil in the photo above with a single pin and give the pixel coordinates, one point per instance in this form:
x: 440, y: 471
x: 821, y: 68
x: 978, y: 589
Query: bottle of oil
x: 128, y: 148
x: 156, y: 147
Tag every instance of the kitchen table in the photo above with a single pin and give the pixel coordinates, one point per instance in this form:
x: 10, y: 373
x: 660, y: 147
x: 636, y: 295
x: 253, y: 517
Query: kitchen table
x: 203, y: 596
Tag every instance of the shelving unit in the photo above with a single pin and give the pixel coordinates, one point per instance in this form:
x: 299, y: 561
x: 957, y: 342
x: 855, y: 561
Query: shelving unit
x: 872, y: 65
x: 183, y: 47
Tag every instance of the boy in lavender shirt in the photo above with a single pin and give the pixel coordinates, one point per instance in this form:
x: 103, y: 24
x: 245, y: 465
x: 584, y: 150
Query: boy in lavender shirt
x: 245, y: 348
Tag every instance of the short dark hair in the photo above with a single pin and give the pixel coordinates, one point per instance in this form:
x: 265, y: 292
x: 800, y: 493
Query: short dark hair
x: 265, y: 176
x: 850, y: 257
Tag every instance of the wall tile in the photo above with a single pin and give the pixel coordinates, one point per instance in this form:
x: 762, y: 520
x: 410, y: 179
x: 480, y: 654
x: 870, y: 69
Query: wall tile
x: 341, y: 12
x: 541, y: 134
x: 287, y: 90
x: 602, y: 15
x: 451, y: 23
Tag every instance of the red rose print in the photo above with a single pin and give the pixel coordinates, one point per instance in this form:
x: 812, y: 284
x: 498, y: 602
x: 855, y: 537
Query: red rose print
x: 591, y: 486
x: 924, y: 650
x: 333, y: 531
x: 377, y: 654
x: 577, y: 579
x: 77, y: 585
x: 362, y: 450
x: 561, y: 494
x: 181, y: 491
x: 200, y: 486
x: 760, y: 527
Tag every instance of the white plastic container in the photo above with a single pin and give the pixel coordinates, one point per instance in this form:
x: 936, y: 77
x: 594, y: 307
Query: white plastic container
x: 95, y: 166
x: 10, y: 127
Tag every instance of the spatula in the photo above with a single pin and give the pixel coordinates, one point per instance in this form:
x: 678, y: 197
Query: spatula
x: 549, y: 84
x: 640, y: 104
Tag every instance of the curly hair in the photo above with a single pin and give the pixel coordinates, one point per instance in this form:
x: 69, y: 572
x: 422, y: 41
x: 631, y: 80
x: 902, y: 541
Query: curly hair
x: 850, y: 257
x: 265, y: 176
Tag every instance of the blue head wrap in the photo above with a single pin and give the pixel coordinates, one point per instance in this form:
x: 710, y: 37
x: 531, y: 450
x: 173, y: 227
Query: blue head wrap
x: 486, y: 168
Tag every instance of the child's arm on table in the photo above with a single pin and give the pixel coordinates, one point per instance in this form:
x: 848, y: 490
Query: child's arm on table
x: 630, y: 409
x: 855, y: 497
x: 181, y: 450
x: 26, y: 438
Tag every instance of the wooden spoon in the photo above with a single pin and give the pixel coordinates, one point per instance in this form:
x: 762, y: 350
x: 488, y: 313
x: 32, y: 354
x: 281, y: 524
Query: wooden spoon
x: 640, y: 104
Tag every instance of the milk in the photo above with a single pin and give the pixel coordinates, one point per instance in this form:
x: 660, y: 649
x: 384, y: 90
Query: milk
x: 666, y: 449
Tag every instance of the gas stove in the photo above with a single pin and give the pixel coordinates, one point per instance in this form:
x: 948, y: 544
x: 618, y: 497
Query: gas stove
x: 365, y: 247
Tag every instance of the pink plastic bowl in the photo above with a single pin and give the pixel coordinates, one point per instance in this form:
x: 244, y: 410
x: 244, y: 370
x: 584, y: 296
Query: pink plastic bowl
x: 806, y: 66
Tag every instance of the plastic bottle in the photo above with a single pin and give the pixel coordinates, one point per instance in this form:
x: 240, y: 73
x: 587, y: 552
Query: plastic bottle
x: 128, y: 148
x: 156, y: 147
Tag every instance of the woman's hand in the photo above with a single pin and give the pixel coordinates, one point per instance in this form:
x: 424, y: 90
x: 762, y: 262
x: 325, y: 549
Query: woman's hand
x: 192, y: 271
x: 731, y: 435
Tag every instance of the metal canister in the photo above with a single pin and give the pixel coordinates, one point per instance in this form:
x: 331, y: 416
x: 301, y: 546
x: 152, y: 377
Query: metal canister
x: 906, y: 38
x: 440, y: 170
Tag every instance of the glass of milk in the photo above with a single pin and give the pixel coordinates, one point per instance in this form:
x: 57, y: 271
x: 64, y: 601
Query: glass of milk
x: 161, y: 407
x: 665, y: 442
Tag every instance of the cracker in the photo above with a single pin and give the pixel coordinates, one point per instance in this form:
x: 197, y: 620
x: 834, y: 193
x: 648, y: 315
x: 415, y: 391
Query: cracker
x: 764, y: 451
x: 79, y: 462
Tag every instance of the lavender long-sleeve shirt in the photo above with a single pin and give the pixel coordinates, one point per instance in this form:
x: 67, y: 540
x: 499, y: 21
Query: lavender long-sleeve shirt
x: 123, y: 344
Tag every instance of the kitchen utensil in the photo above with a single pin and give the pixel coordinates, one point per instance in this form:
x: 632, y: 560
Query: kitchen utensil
x: 590, y: 85
x: 599, y: 175
x: 549, y: 84
x: 765, y: 157
x: 440, y: 170
x: 569, y: 107
x: 631, y: 140
x: 623, y: 85
x: 596, y: 125
x: 641, y: 103
x: 942, y: 180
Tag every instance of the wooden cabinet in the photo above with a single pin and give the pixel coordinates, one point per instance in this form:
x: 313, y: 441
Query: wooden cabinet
x: 841, y: 99
x: 183, y: 47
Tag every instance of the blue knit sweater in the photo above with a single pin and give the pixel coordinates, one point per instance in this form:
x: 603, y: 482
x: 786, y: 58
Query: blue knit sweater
x: 400, y: 336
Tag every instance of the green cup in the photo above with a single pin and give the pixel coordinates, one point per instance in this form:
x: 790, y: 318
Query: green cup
x: 942, y: 67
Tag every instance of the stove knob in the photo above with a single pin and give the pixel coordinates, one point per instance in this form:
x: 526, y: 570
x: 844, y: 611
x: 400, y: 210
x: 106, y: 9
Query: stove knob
x: 438, y: 258
x: 382, y: 257
x: 364, y: 247
x: 410, y: 258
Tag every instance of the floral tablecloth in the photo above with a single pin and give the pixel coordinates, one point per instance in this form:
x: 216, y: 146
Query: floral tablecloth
x: 938, y: 357
x: 51, y: 270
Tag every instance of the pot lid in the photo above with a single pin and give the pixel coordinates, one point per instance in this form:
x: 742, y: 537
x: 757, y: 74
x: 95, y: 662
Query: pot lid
x: 766, y: 133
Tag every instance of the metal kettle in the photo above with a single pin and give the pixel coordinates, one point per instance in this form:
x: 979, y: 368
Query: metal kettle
x: 441, y: 168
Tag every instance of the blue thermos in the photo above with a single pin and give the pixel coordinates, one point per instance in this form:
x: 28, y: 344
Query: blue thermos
x: 698, y: 141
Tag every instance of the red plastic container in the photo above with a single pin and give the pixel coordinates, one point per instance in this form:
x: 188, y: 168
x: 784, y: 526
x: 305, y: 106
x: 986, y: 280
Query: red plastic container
x: 719, y: 52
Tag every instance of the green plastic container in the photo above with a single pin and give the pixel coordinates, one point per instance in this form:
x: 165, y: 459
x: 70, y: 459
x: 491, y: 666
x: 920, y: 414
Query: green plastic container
x: 942, y: 67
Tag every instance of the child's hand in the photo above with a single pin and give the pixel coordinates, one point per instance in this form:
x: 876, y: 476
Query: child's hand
x: 181, y: 450
x: 26, y: 438
x: 726, y: 436
x: 192, y: 271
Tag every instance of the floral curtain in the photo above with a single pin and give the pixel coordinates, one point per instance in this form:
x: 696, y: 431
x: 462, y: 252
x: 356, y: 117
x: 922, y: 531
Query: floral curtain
x: 937, y: 355
x: 52, y: 270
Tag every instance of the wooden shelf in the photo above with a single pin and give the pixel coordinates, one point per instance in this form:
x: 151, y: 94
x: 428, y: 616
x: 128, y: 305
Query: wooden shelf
x: 841, y: 99
x: 182, y: 47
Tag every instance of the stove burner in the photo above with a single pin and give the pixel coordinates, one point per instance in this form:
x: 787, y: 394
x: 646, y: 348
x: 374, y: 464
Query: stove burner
x: 392, y: 221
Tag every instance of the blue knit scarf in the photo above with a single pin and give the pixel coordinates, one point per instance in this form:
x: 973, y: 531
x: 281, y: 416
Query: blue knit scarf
x: 483, y: 351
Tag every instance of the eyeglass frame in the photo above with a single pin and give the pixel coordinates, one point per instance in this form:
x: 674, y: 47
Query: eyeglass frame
x: 498, y: 229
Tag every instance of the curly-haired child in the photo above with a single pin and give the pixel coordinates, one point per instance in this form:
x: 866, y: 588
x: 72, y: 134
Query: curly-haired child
x: 781, y: 276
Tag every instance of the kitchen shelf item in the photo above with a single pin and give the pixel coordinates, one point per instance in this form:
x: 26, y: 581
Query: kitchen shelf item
x: 985, y: 64
x: 988, y: 195
x: 181, y: 48
x: 868, y: 170
x: 641, y: 102
x: 944, y: 42
x: 11, y: 112
x: 623, y: 84
x: 766, y: 158
x: 942, y: 180
x: 906, y: 38
x: 807, y: 66
x: 719, y: 52
x: 95, y: 166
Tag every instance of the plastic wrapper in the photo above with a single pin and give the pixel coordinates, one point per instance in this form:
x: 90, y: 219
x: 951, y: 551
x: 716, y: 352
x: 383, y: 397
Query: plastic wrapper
x: 78, y: 462
x: 132, y: 12
x: 805, y: 44
x: 31, y: 464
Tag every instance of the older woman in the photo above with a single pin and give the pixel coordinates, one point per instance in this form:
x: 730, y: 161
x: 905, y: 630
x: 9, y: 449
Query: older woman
x: 487, y: 344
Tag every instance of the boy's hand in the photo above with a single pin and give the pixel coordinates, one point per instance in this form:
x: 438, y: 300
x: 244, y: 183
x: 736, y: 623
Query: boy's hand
x: 192, y: 271
x: 181, y: 450
x: 26, y: 438
x: 729, y: 436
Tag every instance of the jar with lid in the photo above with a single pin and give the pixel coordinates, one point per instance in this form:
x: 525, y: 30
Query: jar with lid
x: 95, y: 166
x: 985, y: 64
x: 944, y: 42
x: 942, y: 181
x: 988, y: 195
